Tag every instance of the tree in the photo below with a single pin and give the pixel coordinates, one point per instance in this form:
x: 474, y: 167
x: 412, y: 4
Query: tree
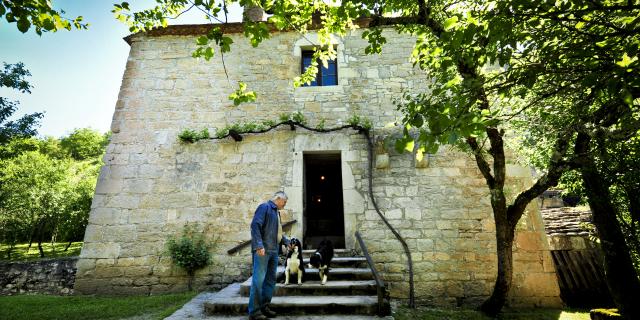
x: 85, y: 143
x: 17, y: 146
x: 13, y: 76
x: 39, y: 14
x: 73, y: 221
x: 585, y: 54
x: 46, y: 194
x: 33, y: 193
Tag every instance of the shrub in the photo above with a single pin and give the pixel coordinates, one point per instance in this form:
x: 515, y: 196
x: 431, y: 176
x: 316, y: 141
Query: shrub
x: 189, y: 251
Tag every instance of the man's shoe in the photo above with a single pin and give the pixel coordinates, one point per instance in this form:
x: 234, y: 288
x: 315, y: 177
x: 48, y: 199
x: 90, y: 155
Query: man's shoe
x: 269, y: 313
x: 258, y: 316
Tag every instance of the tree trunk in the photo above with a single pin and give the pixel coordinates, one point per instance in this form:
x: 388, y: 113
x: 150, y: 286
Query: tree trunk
x: 634, y: 202
x: 621, y: 277
x: 31, y: 237
x: 504, y: 245
x: 40, y: 248
x: 191, y: 275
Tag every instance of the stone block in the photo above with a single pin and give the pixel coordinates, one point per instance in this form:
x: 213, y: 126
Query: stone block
x: 100, y: 250
x: 145, y: 281
x: 105, y: 216
x: 101, y: 263
x: 477, y: 288
x: 85, y: 267
x: 147, y: 216
x: 91, y: 286
x: 124, y: 202
x: 382, y: 161
x: 454, y: 289
x: 109, y: 186
x: 106, y: 272
x: 138, y: 271
x: 394, y: 214
x: 93, y: 233
x: 119, y: 234
x: 530, y: 241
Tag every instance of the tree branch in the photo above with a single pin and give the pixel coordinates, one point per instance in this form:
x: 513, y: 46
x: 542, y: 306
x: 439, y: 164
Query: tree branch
x: 483, y: 165
x: 554, y: 171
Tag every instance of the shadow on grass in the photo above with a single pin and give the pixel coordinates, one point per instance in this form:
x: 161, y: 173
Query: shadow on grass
x: 404, y: 313
x: 89, y: 307
x: 22, y: 252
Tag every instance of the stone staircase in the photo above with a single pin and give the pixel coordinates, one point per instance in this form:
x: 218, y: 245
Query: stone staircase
x: 351, y: 289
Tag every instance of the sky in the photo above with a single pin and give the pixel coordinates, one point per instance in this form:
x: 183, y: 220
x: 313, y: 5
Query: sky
x: 76, y: 75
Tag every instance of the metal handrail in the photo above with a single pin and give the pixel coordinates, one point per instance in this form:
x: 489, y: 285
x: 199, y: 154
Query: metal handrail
x: 248, y: 242
x: 381, y: 289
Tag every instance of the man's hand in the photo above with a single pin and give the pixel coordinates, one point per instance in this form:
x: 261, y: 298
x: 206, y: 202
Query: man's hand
x: 260, y: 252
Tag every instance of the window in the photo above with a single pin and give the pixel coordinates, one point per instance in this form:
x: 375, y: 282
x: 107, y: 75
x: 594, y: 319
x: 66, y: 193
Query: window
x: 326, y: 76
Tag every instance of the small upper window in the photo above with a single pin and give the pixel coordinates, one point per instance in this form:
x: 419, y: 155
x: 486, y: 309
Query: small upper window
x: 326, y: 76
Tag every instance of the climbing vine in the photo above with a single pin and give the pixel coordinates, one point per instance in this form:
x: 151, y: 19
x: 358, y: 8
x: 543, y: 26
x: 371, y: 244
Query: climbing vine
x: 293, y: 120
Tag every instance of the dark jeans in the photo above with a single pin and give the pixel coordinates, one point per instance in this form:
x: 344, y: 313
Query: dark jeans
x: 263, y: 282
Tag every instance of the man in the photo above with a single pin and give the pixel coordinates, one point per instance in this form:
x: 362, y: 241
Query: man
x: 266, y: 233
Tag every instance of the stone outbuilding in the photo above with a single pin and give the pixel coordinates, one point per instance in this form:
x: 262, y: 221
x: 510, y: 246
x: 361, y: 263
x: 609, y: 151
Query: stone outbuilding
x: 577, y: 256
x: 152, y: 184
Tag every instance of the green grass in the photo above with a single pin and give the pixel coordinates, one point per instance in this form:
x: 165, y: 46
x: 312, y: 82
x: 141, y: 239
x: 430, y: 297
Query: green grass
x: 404, y: 313
x: 88, y: 307
x: 22, y: 252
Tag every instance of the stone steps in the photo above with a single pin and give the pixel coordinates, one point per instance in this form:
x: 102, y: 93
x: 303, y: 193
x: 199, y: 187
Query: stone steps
x: 345, y: 261
x: 350, y: 290
x: 334, y: 274
x: 336, y: 253
x: 343, y: 288
x: 300, y: 305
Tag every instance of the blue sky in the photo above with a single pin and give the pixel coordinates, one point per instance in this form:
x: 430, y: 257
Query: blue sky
x: 76, y: 75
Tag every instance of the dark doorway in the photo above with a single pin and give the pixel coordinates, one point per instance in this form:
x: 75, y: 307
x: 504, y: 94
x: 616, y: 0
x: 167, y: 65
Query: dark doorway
x: 323, y: 207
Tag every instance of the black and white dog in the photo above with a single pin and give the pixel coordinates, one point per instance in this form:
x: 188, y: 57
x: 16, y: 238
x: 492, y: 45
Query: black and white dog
x: 321, y: 259
x: 294, y: 263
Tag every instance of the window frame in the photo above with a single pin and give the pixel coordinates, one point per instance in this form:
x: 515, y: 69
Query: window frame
x: 306, y: 53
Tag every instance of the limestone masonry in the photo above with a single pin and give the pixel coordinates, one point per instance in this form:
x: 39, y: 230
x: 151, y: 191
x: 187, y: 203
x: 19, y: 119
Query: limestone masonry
x: 152, y: 185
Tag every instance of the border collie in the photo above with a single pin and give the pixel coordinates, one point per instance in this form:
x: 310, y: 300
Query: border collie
x: 321, y: 259
x: 294, y: 263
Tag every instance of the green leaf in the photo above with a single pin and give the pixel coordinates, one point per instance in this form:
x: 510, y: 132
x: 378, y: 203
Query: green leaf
x: 400, y: 144
x: 202, y: 41
x: 451, y: 23
x: 24, y: 24
x: 208, y: 53
x: 241, y: 95
x: 417, y: 121
x: 409, y: 146
x: 626, y: 60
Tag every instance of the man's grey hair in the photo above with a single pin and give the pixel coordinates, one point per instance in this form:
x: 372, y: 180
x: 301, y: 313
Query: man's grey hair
x: 279, y: 195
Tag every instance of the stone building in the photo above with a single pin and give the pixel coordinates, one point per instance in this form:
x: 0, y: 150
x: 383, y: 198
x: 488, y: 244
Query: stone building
x: 152, y: 184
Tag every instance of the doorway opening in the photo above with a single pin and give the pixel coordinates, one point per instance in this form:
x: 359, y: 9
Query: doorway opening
x: 323, y: 205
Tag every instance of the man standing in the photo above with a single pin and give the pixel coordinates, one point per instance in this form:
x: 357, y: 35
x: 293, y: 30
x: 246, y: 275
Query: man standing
x: 266, y: 233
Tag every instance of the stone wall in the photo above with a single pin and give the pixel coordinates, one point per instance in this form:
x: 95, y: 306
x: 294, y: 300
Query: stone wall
x: 51, y: 276
x: 151, y: 185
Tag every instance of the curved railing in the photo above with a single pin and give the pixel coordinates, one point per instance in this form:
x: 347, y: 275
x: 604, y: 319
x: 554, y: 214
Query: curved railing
x: 383, y: 308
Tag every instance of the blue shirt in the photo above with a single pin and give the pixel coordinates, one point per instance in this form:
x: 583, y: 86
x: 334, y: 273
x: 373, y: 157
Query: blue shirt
x: 264, y: 228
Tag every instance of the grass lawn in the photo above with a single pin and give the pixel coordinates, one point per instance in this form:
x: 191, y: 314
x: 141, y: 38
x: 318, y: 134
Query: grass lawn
x: 86, y: 307
x: 22, y: 253
x: 404, y: 313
